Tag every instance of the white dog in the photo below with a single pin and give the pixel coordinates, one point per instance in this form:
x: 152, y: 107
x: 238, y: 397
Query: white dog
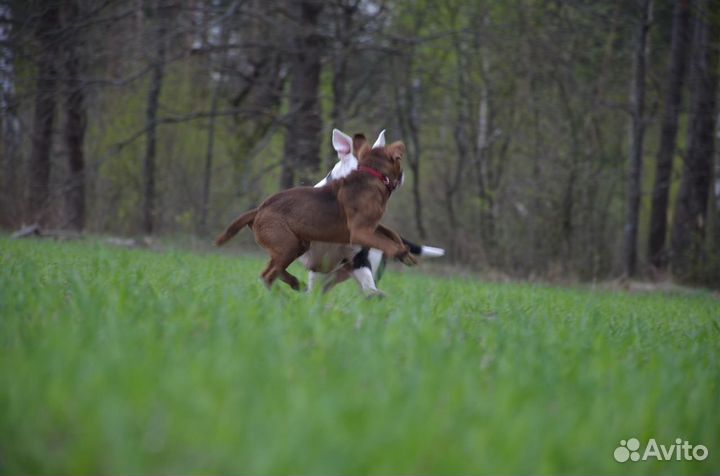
x: 332, y: 263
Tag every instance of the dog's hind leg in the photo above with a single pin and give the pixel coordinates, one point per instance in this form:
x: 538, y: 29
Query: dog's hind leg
x: 362, y: 272
x: 365, y: 279
x: 283, y: 247
x: 271, y: 274
x: 279, y: 263
x: 265, y: 272
x: 291, y: 280
x: 313, y: 279
x: 338, y: 276
x: 279, y: 270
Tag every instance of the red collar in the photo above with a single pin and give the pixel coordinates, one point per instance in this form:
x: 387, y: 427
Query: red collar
x: 389, y: 184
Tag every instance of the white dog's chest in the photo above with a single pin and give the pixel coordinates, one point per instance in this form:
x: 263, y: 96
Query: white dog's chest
x: 325, y: 257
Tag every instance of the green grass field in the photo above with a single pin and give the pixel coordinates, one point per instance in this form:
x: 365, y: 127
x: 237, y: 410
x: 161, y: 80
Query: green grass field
x: 119, y: 361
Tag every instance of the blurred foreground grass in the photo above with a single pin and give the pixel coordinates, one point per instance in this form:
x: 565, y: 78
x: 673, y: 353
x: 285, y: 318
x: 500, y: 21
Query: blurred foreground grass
x: 117, y: 361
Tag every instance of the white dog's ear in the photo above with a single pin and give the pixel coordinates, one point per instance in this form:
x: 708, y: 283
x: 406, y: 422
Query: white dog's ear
x: 342, y: 143
x: 380, y: 142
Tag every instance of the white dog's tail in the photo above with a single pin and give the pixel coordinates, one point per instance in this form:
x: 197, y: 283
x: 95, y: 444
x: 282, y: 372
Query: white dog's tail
x: 431, y: 251
x: 428, y: 251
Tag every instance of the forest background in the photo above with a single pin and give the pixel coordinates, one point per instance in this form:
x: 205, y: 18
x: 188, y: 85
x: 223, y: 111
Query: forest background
x: 546, y: 139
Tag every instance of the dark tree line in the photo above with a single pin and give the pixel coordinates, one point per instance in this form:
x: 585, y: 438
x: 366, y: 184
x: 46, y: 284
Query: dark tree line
x: 679, y: 52
x: 523, y: 120
x: 689, y: 229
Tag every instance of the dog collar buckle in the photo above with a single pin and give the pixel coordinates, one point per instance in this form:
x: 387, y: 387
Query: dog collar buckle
x: 389, y: 184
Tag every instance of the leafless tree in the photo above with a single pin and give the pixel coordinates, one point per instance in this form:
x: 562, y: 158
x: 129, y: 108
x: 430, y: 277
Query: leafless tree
x: 47, y: 34
x: 637, y: 102
x: 75, y: 114
x: 151, y: 113
x: 679, y: 53
x: 690, y: 219
x: 11, y: 133
x: 304, y: 120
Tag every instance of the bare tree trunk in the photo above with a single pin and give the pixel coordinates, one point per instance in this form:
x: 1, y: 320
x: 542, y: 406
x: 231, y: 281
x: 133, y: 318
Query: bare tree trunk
x: 343, y: 29
x: 207, y: 175
x: 414, y: 162
x: 716, y: 200
x: 302, y: 140
x: 450, y: 179
x: 681, y: 36
x: 484, y: 169
x: 10, y: 122
x: 149, y: 202
x: 464, y: 130
x: 44, y: 116
x: 713, y: 234
x: 406, y: 110
x: 75, y: 122
x: 567, y: 203
x: 713, y: 240
x: 636, y: 143
x: 210, y: 149
x: 264, y: 73
x: 690, y: 220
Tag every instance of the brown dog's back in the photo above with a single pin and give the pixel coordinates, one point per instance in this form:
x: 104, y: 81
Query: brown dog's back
x: 313, y: 214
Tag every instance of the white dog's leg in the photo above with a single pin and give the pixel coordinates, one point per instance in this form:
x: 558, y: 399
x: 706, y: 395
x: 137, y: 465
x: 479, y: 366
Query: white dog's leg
x: 365, y: 279
x: 375, y: 259
x: 313, y: 278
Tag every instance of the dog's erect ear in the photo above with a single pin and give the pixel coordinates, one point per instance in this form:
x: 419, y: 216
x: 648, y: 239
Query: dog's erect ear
x: 380, y: 142
x: 364, y: 149
x: 359, y: 140
x: 342, y: 143
x: 396, y: 150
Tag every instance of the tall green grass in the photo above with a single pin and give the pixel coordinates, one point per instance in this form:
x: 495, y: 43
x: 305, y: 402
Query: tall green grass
x: 117, y: 361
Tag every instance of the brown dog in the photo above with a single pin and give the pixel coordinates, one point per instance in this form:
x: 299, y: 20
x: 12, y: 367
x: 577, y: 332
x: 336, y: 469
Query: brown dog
x: 344, y: 211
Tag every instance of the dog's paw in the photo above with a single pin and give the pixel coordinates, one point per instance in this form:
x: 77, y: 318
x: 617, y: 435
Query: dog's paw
x: 374, y: 294
x: 407, y: 259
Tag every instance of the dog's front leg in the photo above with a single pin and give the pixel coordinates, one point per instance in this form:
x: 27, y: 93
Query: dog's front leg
x: 390, y: 234
x: 406, y: 258
x: 373, y: 239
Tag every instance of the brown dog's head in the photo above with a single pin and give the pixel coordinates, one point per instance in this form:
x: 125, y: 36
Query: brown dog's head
x: 385, y: 159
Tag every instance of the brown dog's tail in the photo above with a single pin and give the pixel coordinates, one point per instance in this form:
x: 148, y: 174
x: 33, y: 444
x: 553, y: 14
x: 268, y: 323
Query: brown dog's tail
x: 234, y: 227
